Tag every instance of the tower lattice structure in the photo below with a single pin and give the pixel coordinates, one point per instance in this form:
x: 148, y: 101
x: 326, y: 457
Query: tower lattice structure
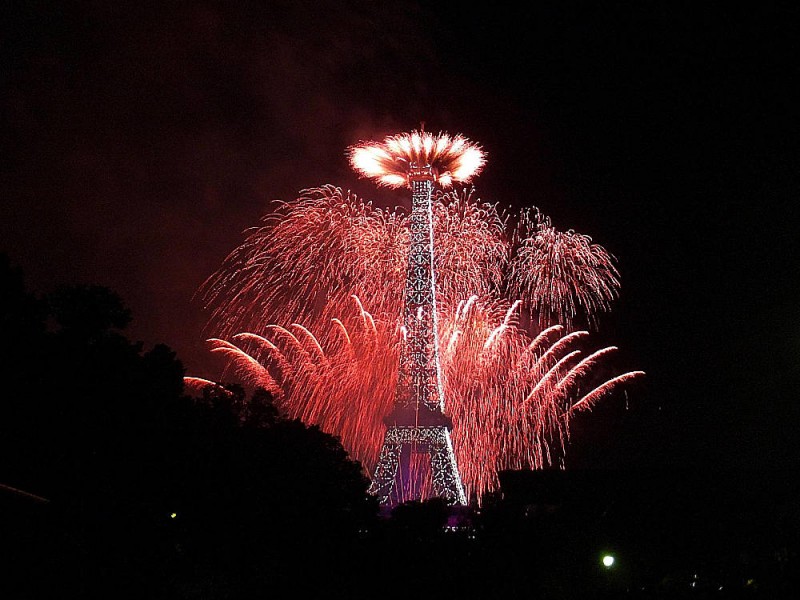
x: 417, y: 423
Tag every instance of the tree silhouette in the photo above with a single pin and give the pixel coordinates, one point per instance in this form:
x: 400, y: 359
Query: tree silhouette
x: 145, y: 487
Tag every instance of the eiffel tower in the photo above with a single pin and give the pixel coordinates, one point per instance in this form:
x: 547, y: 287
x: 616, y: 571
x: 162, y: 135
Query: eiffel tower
x: 417, y: 423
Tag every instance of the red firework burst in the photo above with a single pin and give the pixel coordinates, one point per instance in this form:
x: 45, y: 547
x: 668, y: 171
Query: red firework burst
x: 310, y: 307
x: 560, y: 275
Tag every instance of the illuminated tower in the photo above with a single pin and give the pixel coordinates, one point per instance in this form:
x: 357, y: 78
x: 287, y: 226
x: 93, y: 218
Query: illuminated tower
x: 418, y: 424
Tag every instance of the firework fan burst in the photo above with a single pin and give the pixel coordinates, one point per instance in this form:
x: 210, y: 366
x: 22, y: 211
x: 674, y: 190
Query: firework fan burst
x: 310, y: 307
x: 450, y: 158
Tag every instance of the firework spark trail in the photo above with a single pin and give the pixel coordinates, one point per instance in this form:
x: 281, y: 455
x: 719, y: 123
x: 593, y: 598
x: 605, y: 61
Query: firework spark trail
x: 245, y: 366
x: 311, y: 344
x: 602, y: 390
x: 320, y: 286
x: 196, y: 385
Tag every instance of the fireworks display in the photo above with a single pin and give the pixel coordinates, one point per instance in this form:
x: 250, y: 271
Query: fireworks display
x: 310, y: 307
x: 449, y: 158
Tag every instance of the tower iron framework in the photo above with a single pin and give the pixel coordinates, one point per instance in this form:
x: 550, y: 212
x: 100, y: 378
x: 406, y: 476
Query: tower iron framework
x: 417, y: 423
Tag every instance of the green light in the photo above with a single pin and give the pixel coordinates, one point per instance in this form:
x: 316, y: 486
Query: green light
x: 608, y: 561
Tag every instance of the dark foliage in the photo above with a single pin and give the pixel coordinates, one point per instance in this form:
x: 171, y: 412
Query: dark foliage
x: 117, y: 484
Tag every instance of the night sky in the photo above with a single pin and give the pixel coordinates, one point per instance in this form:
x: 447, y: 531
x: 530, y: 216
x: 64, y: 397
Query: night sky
x: 140, y: 140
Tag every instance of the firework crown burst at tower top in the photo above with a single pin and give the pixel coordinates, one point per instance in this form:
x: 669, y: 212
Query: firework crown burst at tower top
x: 394, y: 162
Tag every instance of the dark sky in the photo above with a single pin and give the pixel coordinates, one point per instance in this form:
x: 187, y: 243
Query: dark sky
x: 139, y: 141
